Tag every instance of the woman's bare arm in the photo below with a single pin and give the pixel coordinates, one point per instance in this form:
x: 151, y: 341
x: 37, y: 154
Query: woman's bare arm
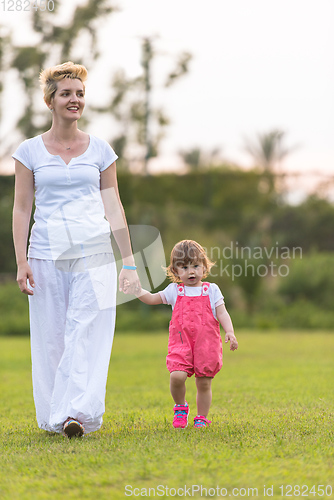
x: 116, y: 217
x: 23, y: 199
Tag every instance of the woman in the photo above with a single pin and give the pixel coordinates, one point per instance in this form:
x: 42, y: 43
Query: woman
x: 70, y: 275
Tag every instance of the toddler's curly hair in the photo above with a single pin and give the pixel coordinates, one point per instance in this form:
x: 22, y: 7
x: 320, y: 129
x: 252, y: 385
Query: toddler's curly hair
x: 187, y: 252
x: 50, y: 77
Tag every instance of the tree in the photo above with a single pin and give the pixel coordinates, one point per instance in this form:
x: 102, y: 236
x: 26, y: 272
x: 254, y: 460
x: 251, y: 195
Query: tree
x: 196, y: 157
x: 5, y: 44
x: 140, y: 124
x: 55, y: 44
x: 267, y: 151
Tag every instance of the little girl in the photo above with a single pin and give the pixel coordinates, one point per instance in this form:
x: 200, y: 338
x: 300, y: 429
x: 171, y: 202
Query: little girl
x: 195, y: 344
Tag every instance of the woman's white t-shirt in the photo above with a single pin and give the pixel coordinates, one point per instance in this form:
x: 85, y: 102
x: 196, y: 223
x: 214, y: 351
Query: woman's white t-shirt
x: 69, y: 217
x: 169, y: 295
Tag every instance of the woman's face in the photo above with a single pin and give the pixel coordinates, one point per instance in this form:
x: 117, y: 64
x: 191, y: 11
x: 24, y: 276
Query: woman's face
x: 69, y: 100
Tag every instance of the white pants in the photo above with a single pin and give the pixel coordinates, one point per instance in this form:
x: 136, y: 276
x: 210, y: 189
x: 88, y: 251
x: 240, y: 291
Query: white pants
x: 72, y: 320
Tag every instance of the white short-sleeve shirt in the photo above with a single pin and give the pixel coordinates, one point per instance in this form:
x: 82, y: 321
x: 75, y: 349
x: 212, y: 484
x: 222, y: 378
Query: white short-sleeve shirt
x: 69, y: 217
x: 169, y: 295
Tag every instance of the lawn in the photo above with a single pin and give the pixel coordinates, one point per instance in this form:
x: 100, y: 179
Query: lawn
x: 272, y: 426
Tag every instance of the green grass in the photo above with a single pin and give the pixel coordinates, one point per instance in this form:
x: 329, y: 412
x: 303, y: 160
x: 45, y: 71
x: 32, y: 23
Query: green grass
x: 272, y: 414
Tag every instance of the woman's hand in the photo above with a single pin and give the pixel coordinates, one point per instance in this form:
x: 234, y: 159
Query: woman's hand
x: 24, y: 274
x: 129, y: 282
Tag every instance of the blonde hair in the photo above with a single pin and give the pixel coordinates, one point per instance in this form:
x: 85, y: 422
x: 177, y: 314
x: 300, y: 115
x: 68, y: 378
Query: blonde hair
x: 50, y: 77
x: 187, y: 252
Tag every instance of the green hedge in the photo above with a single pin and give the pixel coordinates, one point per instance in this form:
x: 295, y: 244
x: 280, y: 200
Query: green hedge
x: 302, y: 299
x: 13, y: 310
x: 298, y: 314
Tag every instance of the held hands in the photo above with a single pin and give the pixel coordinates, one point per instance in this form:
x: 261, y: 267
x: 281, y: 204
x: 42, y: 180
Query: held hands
x: 137, y: 291
x: 24, y: 275
x: 129, y: 282
x: 233, y: 341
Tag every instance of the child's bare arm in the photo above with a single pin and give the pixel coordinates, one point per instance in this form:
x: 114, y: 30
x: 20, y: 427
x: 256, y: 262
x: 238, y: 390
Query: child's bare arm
x: 152, y: 299
x: 226, y: 322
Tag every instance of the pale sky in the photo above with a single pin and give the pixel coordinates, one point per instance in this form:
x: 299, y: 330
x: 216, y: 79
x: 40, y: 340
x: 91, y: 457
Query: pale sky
x: 257, y: 65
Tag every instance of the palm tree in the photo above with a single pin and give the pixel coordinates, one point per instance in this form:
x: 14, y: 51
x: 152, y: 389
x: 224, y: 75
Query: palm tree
x: 268, y: 151
x: 196, y: 158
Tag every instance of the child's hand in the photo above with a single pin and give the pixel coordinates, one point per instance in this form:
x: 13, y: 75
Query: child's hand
x: 126, y: 286
x: 233, y: 341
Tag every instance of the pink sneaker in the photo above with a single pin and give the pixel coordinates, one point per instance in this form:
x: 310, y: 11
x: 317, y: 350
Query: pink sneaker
x: 180, y: 420
x: 200, y: 422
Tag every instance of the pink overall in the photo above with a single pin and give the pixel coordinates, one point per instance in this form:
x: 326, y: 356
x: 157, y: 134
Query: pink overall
x: 194, y: 344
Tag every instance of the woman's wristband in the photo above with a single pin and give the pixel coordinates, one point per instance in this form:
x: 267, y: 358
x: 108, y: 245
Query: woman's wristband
x: 132, y: 268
